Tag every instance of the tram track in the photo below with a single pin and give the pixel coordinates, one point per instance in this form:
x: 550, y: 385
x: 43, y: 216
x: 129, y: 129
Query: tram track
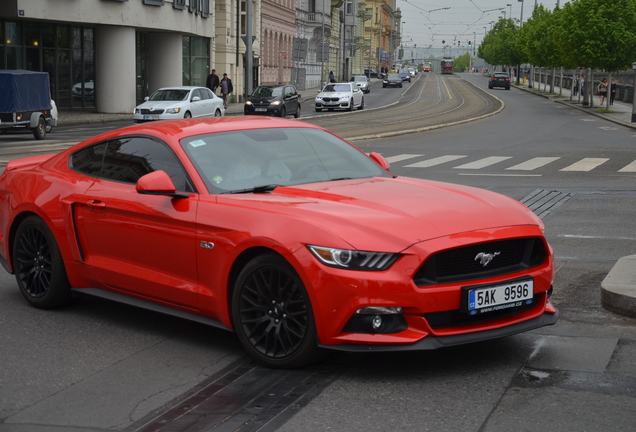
x: 432, y: 102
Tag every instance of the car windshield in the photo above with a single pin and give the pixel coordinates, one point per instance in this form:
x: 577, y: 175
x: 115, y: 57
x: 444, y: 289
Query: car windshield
x: 405, y: 71
x: 359, y: 78
x: 267, y: 92
x: 501, y: 75
x: 337, y: 88
x: 240, y: 161
x: 394, y: 76
x: 170, y: 95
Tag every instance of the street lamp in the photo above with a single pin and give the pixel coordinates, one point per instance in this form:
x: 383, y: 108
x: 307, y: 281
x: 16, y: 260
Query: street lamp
x: 504, y: 14
x: 634, y: 97
x: 519, y: 66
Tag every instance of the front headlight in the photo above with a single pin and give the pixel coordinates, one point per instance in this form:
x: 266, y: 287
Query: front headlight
x: 354, y: 259
x: 248, y: 102
x: 345, y: 97
x: 173, y: 110
x: 319, y: 98
x: 276, y: 102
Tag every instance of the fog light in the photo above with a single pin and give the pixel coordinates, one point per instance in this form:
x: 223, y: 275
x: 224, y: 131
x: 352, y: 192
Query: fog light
x: 376, y: 323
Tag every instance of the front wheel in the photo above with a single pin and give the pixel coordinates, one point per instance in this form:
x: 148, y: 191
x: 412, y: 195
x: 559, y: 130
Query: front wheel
x: 283, y: 112
x: 361, y: 107
x: 38, y: 265
x: 188, y: 114
x: 272, y: 314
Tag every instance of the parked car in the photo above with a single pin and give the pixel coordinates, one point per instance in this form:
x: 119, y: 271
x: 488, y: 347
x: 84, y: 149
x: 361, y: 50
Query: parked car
x: 499, y: 79
x: 362, y: 82
x: 171, y: 103
x: 340, y: 96
x: 392, y: 80
x: 25, y: 102
x: 278, y: 101
x: 405, y: 75
x: 371, y: 73
x: 278, y: 230
x: 88, y: 87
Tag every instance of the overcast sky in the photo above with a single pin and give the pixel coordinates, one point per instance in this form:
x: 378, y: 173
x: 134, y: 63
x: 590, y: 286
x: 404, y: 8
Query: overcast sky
x: 429, y: 22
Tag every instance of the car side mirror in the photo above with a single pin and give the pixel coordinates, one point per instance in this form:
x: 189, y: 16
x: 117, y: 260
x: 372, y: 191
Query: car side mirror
x: 158, y: 183
x: 146, y: 98
x: 299, y: 96
x: 196, y: 99
x: 379, y: 159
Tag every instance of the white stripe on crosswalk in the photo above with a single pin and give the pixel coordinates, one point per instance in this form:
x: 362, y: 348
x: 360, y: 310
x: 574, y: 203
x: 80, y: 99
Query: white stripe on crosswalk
x: 586, y: 164
x: 483, y: 163
x: 435, y: 161
x: 629, y: 168
x: 398, y: 158
x: 533, y: 163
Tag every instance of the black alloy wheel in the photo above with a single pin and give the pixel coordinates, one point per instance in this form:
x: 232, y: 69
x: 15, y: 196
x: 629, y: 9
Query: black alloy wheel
x: 272, y: 314
x: 39, y: 132
x: 38, y: 265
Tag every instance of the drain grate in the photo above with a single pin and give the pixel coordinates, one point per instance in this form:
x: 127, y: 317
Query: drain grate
x: 543, y: 201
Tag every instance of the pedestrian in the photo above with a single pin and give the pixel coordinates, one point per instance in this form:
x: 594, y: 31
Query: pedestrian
x: 213, y: 81
x: 583, y: 87
x: 612, y: 91
x: 226, y: 89
x: 332, y: 77
x: 575, y: 89
x: 602, y: 90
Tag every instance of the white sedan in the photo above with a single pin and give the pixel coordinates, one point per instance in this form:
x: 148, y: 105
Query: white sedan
x: 340, y: 96
x: 179, y: 102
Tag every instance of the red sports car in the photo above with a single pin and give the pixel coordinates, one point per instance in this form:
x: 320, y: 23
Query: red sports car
x: 276, y: 229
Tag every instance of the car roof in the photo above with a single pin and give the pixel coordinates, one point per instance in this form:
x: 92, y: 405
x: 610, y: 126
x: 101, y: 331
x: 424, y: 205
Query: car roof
x: 273, y: 86
x: 181, y: 88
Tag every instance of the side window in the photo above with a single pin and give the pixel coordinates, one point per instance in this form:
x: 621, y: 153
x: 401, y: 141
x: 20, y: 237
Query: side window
x: 89, y: 160
x: 128, y: 158
x: 205, y: 93
x: 196, y: 93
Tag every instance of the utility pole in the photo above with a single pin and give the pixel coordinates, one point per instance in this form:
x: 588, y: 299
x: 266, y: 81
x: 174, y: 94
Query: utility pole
x: 249, y: 57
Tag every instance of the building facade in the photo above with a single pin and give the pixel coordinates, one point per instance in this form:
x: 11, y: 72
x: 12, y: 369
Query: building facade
x: 278, y: 21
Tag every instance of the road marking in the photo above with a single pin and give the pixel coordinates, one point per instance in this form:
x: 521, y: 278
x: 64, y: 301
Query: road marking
x: 607, y: 128
x: 435, y: 161
x: 533, y: 163
x: 586, y: 164
x: 398, y: 158
x: 500, y: 175
x: 595, y: 237
x: 629, y: 168
x: 587, y: 120
x: 482, y: 163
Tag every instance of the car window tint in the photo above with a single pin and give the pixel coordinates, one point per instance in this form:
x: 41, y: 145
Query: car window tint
x: 128, y: 158
x: 89, y: 160
x: 169, y: 95
x: 205, y: 93
x: 237, y: 160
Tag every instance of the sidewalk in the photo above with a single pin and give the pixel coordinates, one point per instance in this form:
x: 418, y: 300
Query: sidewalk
x: 82, y: 117
x: 620, y: 112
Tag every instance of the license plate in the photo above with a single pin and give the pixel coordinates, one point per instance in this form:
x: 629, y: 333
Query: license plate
x: 151, y: 117
x: 260, y: 109
x: 499, y: 297
x: 331, y: 103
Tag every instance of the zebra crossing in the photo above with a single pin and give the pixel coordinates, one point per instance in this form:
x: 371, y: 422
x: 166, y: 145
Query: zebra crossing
x: 464, y: 162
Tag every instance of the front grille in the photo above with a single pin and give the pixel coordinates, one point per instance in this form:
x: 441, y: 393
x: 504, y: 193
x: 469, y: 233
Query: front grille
x: 331, y: 99
x: 147, y: 111
x: 461, y: 264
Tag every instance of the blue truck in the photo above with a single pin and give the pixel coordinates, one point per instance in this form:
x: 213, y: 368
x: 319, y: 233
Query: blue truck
x: 25, y: 102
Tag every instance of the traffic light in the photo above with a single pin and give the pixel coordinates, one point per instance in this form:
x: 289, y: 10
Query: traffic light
x: 468, y: 44
x: 443, y: 41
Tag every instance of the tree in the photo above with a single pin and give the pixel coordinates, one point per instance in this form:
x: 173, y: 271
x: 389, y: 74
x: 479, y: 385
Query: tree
x: 462, y: 62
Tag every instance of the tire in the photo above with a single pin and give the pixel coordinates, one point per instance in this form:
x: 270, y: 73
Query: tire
x: 507, y: 88
x: 351, y: 105
x: 383, y: 86
x: 188, y: 114
x: 217, y: 113
x: 283, y: 112
x: 39, y: 132
x: 361, y: 107
x: 49, y: 128
x: 297, y: 113
x: 318, y: 109
x: 272, y: 314
x: 38, y: 265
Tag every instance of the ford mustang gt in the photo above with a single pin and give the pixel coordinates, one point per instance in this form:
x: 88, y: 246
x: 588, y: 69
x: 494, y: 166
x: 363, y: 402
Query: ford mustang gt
x: 278, y: 230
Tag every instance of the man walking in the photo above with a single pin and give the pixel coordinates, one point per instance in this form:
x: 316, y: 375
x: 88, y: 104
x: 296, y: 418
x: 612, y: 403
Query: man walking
x: 226, y: 89
x: 213, y: 81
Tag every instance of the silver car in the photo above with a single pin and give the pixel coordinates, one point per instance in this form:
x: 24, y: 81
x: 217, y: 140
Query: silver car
x: 362, y: 82
x: 340, y: 96
x: 179, y: 102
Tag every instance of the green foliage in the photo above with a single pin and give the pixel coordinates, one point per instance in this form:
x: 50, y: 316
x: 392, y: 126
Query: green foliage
x: 462, y: 62
x: 584, y: 33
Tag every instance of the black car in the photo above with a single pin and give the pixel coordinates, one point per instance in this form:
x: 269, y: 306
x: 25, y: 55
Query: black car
x: 499, y: 79
x: 392, y: 80
x: 279, y: 101
x: 371, y: 73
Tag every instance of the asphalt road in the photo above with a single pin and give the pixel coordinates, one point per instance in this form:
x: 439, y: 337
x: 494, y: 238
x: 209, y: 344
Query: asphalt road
x: 101, y: 366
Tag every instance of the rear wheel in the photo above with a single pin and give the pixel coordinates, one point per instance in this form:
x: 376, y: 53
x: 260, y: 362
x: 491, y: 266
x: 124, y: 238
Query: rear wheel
x: 361, y: 107
x: 272, y: 314
x: 38, y: 265
x: 217, y: 113
x: 297, y: 114
x: 39, y: 132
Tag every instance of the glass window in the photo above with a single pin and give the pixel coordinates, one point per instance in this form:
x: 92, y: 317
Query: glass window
x: 62, y: 37
x: 129, y: 158
x: 31, y: 35
x: 48, y: 35
x: 13, y: 33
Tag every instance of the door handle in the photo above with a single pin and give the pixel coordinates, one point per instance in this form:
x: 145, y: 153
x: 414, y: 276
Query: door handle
x: 96, y: 203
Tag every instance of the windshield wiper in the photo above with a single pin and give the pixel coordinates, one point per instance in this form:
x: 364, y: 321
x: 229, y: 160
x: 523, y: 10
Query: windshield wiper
x: 256, y: 189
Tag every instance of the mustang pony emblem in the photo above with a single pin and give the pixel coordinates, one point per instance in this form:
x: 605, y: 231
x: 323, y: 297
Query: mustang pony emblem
x: 485, y: 258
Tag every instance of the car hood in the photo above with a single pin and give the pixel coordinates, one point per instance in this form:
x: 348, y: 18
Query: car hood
x: 391, y: 214
x: 334, y: 94
x: 153, y: 105
x: 262, y: 99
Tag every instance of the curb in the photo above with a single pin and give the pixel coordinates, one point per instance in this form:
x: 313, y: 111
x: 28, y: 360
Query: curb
x: 618, y: 289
